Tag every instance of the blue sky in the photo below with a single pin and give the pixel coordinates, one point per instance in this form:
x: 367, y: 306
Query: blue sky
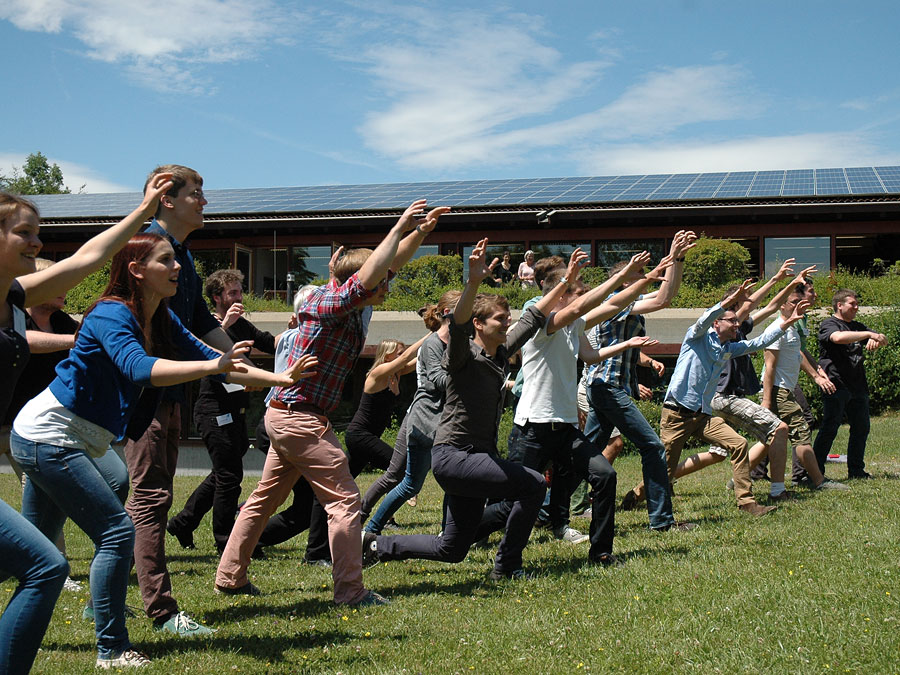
x: 267, y: 93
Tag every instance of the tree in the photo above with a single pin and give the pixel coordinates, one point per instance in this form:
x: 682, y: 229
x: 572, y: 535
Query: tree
x: 37, y: 177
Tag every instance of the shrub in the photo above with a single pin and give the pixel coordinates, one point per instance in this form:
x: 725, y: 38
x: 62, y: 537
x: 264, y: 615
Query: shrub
x: 84, y: 294
x: 715, y: 262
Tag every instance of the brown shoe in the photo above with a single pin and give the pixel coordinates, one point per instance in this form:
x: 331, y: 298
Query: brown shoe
x: 755, y: 509
x: 785, y: 496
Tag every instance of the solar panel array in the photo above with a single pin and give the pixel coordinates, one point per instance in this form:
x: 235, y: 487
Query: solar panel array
x: 511, y: 192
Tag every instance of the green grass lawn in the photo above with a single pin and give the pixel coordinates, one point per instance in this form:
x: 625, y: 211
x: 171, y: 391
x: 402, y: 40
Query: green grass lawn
x: 810, y: 588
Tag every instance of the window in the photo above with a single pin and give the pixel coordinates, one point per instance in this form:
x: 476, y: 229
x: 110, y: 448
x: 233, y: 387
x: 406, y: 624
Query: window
x: 807, y: 250
x: 611, y: 252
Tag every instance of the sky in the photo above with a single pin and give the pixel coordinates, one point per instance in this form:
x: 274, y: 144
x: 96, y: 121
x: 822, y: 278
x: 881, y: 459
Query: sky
x: 276, y: 93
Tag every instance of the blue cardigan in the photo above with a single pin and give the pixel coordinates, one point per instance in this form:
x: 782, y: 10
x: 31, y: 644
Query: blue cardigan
x: 103, y: 377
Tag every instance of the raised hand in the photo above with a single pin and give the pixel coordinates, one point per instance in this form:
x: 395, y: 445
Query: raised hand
x: 334, y: 258
x: 233, y: 314
x: 577, y: 261
x: 634, y: 270
x: 740, y: 295
x: 478, y: 270
x: 159, y: 185
x: 787, y: 269
x: 430, y: 222
x: 413, y: 215
x: 658, y: 272
x: 641, y: 341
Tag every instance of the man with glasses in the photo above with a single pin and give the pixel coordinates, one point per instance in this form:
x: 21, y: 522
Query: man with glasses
x: 687, y: 411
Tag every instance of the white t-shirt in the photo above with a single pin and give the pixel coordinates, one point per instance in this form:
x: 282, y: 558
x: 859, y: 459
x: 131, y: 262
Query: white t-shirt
x: 45, y: 420
x: 550, y: 367
x: 787, y: 368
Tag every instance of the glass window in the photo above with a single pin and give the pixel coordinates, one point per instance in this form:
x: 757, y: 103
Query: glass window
x: 807, y: 250
x: 208, y: 261
x: 611, y: 252
x: 270, y: 271
x: 516, y: 256
x: 309, y: 263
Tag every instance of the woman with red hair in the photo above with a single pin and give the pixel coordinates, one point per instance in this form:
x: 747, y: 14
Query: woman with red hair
x: 128, y: 345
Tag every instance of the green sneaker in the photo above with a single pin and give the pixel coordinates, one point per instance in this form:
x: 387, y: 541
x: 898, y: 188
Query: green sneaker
x: 182, y: 624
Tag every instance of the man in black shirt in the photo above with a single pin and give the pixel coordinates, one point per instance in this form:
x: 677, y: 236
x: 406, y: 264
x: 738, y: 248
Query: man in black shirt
x: 842, y: 343
x: 220, y: 415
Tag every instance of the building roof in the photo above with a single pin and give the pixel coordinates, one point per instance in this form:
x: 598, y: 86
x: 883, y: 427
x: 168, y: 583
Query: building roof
x: 518, y: 192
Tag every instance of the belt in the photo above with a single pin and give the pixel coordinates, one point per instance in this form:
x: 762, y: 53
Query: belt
x: 553, y: 426
x: 679, y: 408
x: 296, y: 407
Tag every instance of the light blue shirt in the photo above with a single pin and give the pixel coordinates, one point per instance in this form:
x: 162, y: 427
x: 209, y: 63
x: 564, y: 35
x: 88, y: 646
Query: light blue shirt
x: 702, y: 358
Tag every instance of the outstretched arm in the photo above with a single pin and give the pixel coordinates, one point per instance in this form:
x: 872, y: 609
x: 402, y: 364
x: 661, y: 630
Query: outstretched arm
x: 411, y: 242
x: 55, y: 281
x: 381, y: 374
x: 591, y: 356
x: 626, y: 296
x: 478, y: 271
x: 785, y: 271
x: 682, y: 242
x: 782, y: 295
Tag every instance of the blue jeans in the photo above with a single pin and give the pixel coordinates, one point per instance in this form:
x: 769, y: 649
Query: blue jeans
x: 41, y: 570
x: 856, y: 405
x: 613, y: 407
x: 418, y: 463
x: 65, y: 482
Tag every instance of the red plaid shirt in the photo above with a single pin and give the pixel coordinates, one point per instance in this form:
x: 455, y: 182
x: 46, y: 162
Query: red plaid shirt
x: 331, y: 329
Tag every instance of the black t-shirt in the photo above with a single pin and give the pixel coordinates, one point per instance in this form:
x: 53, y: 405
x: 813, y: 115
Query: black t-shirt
x: 213, y: 399
x: 14, y: 350
x: 41, y: 368
x: 844, y: 364
x: 505, y: 275
x: 739, y: 378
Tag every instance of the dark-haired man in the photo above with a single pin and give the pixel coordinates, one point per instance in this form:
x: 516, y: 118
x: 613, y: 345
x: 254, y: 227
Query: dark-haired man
x: 219, y: 414
x: 843, y: 342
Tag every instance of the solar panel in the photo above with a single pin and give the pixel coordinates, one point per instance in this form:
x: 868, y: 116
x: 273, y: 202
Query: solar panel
x: 510, y: 191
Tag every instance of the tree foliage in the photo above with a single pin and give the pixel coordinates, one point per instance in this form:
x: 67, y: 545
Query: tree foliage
x: 36, y: 177
x: 715, y: 262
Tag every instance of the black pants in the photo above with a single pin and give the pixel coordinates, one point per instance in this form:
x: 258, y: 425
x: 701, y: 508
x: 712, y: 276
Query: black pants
x: 565, y: 446
x: 468, y: 479
x: 221, y: 489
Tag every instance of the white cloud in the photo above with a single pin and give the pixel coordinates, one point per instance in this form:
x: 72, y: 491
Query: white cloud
x: 162, y: 44
x: 483, y: 74
x: 819, y: 150
x: 74, y: 175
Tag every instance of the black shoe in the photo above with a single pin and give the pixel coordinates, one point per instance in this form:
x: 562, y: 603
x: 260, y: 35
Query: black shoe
x: 246, y: 589
x: 186, y: 539
x: 608, y: 560
x: 864, y: 475
x: 369, y: 549
x: 392, y: 524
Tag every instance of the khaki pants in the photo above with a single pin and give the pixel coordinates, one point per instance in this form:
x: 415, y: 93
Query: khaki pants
x: 677, y: 426
x: 303, y: 444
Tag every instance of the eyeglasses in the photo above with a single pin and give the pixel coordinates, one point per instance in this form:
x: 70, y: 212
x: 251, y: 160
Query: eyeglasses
x: 197, y: 194
x: 733, y: 320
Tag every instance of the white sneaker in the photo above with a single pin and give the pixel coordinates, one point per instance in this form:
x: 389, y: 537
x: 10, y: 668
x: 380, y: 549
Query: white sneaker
x: 569, y: 535
x: 72, y: 585
x: 130, y: 658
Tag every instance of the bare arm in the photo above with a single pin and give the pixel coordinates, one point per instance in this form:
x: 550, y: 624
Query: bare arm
x: 668, y: 289
x: 55, y: 281
x: 786, y: 270
x: 782, y: 295
x: 378, y: 377
x: 846, y: 337
x: 591, y: 356
x: 626, y: 296
x: 410, y: 244
x: 771, y: 360
x: 375, y: 269
x: 40, y: 342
